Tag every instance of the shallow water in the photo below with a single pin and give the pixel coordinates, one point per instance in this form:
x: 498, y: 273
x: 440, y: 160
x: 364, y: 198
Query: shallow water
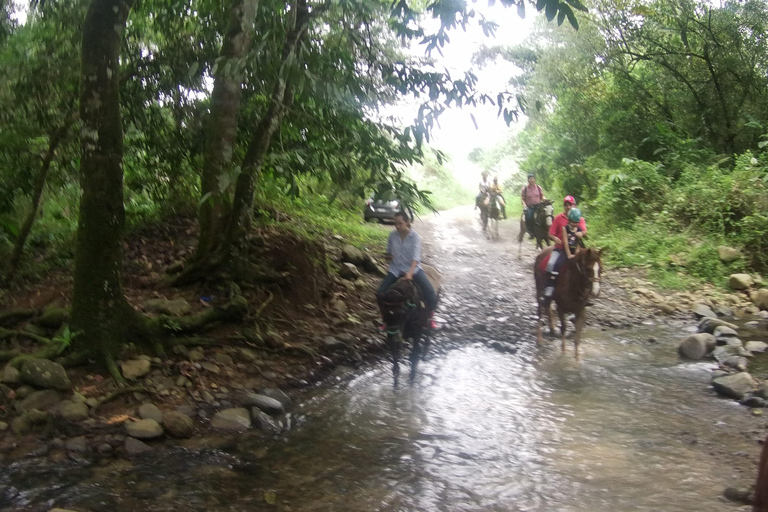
x: 628, y: 427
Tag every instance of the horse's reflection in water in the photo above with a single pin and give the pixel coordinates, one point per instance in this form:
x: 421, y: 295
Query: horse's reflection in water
x: 406, y: 317
x: 579, y: 279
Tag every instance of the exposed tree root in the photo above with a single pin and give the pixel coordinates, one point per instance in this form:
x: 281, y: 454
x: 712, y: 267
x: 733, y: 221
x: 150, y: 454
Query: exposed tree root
x: 120, y: 391
x: 47, y: 352
x: 232, y: 311
x: 9, y: 333
x: 15, y: 316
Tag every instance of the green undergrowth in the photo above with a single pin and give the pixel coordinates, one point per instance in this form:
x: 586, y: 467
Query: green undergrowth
x: 313, y: 217
x: 676, y: 258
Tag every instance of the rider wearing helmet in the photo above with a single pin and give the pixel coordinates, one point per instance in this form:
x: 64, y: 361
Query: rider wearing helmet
x: 568, y: 227
x: 530, y: 196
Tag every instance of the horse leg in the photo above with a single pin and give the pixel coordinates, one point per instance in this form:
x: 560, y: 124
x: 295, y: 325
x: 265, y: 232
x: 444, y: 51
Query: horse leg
x: 393, y: 340
x: 551, y: 319
x: 415, y: 353
x: 579, y: 323
x: 562, y: 327
x: 538, y: 320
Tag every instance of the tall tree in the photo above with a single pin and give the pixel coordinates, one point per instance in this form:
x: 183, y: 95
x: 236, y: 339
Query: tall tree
x: 99, y: 308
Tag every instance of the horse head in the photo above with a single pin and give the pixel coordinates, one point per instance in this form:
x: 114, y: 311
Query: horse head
x: 545, y: 213
x: 589, y: 263
x: 395, y: 304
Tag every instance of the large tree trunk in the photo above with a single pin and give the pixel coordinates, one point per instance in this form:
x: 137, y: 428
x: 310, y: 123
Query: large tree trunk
x: 239, y: 219
x: 99, y: 309
x: 222, y: 125
x: 42, y: 175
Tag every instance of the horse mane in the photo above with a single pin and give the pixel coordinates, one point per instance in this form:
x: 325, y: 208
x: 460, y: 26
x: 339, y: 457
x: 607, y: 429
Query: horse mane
x: 400, y: 291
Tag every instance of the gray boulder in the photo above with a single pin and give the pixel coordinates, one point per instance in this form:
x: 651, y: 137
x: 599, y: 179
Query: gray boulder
x: 278, y: 395
x: 10, y: 375
x: 756, y: 346
x: 73, y: 411
x: 723, y: 331
x: 178, y: 424
x: 707, y: 324
x: 351, y: 254
x: 265, y: 403
x: 264, y: 421
x: 143, y: 429
x: 696, y: 346
x: 740, y: 281
x: 727, y: 254
x: 135, y: 368
x: 45, y: 374
x: 235, y: 419
x: 150, y: 412
x: 735, y: 386
x: 349, y: 271
x: 703, y: 311
x: 760, y: 298
x: 134, y: 446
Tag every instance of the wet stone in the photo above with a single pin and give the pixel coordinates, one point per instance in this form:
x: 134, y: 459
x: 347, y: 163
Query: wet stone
x: 233, y: 420
x: 143, y: 429
x: 135, y: 368
x: 45, y: 374
x: 77, y: 445
x: 40, y: 400
x: 10, y: 375
x: 73, y: 411
x: 134, y: 446
x: 178, y: 424
x: 262, y: 402
x: 150, y: 412
x: 264, y: 421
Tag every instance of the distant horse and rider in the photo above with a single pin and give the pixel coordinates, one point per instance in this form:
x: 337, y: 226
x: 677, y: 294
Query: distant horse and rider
x: 490, y: 201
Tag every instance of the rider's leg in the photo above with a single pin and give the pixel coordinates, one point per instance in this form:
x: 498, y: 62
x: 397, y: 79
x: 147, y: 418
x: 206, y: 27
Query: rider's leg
x: 388, y: 281
x: 556, y: 255
x: 529, y: 219
x: 503, y: 206
x: 428, y: 292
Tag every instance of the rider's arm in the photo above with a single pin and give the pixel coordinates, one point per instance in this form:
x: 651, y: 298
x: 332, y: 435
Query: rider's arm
x: 552, y: 235
x: 409, y: 274
x: 583, y: 230
x: 416, y: 257
x: 567, y: 247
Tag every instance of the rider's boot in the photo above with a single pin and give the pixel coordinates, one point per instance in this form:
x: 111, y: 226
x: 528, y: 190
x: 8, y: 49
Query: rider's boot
x: 550, y: 289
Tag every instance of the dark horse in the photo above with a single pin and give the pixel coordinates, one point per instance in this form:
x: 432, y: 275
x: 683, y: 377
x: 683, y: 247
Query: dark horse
x: 579, y: 278
x: 543, y: 215
x: 760, y: 501
x: 483, y: 203
x: 406, y: 317
x: 494, y: 215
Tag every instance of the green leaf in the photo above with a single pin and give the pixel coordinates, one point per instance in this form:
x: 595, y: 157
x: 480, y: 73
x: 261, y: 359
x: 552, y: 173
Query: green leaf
x: 521, y: 9
x: 551, y: 10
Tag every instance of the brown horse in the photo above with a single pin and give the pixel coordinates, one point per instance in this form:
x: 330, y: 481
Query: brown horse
x: 760, y: 502
x: 579, y: 278
x: 406, y: 317
x: 543, y: 216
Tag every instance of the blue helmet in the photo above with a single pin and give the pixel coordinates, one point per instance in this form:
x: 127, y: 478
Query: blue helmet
x: 574, y: 215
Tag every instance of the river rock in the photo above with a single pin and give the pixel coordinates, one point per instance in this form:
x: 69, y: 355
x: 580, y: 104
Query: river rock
x: 723, y: 331
x: 734, y: 386
x: 248, y: 355
x: 277, y: 395
x: 73, y: 411
x: 696, y: 346
x: 754, y: 402
x: 756, y: 346
x: 264, y: 421
x: 3, y: 426
x: 727, y: 254
x: 134, y: 446
x: 353, y: 255
x: 143, y: 429
x: 760, y: 299
x: 349, y: 271
x: 135, y: 368
x: 722, y: 310
x: 265, y: 403
x: 175, y: 307
x: 729, y: 341
x: 235, y: 419
x: 222, y: 358
x: 708, y: 324
x: 150, y: 412
x: 10, y: 375
x: 45, y: 374
x: 740, y: 281
x: 76, y: 444
x: 178, y: 424
x: 739, y: 363
x: 703, y: 311
x: 40, y: 400
x: 723, y: 352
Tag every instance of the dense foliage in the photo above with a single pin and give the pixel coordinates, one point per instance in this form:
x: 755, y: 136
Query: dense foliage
x: 654, y: 116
